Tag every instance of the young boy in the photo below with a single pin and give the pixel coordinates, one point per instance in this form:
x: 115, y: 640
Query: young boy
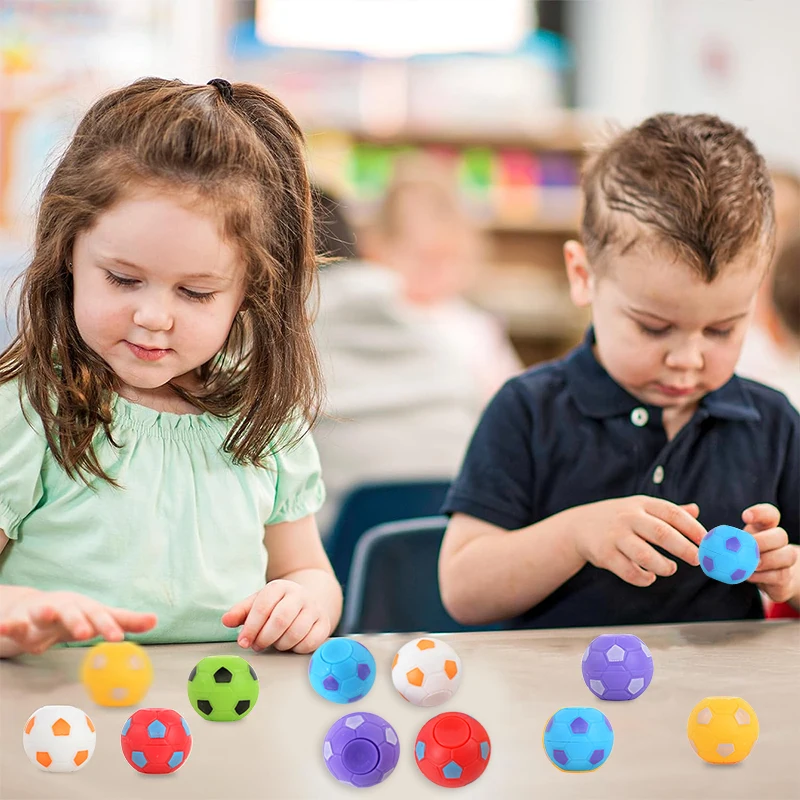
x: 586, y: 475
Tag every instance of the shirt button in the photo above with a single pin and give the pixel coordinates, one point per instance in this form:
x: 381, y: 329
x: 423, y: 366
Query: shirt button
x: 658, y: 474
x: 639, y: 417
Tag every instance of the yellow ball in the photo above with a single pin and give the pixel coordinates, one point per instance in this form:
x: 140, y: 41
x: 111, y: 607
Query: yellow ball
x: 722, y: 730
x: 117, y: 673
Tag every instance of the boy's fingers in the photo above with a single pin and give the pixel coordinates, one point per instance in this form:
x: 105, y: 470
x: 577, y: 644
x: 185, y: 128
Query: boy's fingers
x: 105, y: 624
x: 761, y: 517
x: 15, y: 628
x: 783, y: 558
x: 297, y: 631
x: 681, y: 521
x: 771, y: 539
x: 770, y: 577
x: 628, y: 571
x: 692, y: 508
x: 74, y: 621
x: 649, y: 559
x: 315, y: 637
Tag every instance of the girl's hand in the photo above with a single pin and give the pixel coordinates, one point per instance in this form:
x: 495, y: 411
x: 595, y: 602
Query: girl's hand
x: 38, y: 620
x: 283, y: 614
x: 774, y: 574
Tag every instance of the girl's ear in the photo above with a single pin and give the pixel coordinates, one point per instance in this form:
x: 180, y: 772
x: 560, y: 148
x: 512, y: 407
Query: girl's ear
x: 579, y: 274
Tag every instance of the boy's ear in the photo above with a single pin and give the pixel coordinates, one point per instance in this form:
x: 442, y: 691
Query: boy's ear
x: 579, y: 273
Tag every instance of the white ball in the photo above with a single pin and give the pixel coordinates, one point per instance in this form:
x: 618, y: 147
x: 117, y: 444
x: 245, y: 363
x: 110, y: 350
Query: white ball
x: 426, y: 671
x: 59, y: 738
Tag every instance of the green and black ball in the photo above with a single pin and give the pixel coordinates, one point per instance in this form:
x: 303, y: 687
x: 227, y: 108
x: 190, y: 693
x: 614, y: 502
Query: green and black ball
x: 223, y: 688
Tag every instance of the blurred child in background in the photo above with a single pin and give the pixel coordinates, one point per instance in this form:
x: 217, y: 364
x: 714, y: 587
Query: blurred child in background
x: 770, y: 353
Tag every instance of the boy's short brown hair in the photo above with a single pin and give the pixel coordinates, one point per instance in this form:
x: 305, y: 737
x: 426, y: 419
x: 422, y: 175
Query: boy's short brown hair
x: 691, y: 183
x: 786, y: 286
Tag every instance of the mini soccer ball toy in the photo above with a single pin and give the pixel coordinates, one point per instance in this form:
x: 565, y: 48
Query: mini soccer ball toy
x: 342, y: 670
x: 59, y: 738
x: 617, y: 666
x: 426, y: 672
x: 361, y: 749
x: 728, y: 554
x: 156, y: 741
x: 452, y: 749
x: 722, y: 730
x: 117, y: 673
x: 223, y: 688
x: 578, y: 739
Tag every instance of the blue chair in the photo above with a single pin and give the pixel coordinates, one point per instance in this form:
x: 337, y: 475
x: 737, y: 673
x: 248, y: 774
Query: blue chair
x: 371, y: 504
x: 394, y: 583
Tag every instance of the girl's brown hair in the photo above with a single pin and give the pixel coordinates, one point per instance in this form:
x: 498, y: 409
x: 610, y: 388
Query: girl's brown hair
x: 243, y: 156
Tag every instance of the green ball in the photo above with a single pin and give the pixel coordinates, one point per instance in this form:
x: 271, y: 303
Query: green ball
x: 223, y: 688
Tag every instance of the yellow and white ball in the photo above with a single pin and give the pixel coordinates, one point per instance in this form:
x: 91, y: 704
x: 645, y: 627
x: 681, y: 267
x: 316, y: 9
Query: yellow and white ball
x: 117, y: 673
x: 722, y: 730
x: 59, y: 738
x: 427, y: 672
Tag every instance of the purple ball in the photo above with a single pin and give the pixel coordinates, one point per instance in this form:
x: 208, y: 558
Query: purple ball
x: 617, y: 666
x: 361, y: 749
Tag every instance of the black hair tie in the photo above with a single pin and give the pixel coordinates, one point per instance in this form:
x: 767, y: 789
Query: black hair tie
x: 224, y: 88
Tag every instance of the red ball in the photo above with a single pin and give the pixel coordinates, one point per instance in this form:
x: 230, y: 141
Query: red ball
x: 156, y: 740
x: 452, y: 749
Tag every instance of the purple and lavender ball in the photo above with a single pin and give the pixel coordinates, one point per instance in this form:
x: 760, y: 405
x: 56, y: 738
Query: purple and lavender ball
x: 361, y: 749
x: 342, y: 670
x: 617, y: 666
x: 578, y: 739
x: 729, y: 554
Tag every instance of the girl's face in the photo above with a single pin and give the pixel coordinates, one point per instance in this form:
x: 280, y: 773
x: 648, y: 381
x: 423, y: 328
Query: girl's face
x: 156, y: 289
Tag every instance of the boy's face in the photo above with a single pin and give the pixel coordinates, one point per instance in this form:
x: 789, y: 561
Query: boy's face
x: 663, y: 333
x: 155, y: 289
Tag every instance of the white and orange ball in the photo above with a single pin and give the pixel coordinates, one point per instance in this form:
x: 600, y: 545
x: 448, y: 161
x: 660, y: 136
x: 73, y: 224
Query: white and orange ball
x: 426, y: 672
x: 59, y: 738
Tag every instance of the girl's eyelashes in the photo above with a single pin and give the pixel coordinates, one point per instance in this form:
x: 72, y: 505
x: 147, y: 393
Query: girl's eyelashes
x: 199, y: 297
x: 715, y: 332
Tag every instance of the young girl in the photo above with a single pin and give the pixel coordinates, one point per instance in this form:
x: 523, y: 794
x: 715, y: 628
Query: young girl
x: 155, y: 473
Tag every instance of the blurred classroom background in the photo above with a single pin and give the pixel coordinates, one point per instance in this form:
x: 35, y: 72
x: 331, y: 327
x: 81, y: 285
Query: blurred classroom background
x: 448, y: 136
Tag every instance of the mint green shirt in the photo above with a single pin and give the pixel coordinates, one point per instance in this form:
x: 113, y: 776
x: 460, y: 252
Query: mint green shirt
x: 183, y: 538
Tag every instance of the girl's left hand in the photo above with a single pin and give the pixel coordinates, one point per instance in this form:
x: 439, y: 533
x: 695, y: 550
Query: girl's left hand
x: 774, y: 574
x: 283, y: 614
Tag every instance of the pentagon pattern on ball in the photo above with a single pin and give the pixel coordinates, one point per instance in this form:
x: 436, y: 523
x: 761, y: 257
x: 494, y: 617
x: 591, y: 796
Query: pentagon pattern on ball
x: 723, y: 730
x: 342, y: 670
x: 728, y: 554
x: 578, y: 739
x: 426, y: 671
x: 361, y: 749
x: 59, y: 738
x: 223, y: 688
x: 617, y: 666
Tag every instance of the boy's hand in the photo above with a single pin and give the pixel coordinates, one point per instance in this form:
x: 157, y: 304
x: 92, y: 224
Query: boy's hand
x: 282, y: 614
x: 38, y: 620
x: 618, y: 535
x: 774, y: 574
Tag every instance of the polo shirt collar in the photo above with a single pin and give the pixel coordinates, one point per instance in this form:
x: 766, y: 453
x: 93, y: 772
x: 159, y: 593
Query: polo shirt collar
x: 598, y: 395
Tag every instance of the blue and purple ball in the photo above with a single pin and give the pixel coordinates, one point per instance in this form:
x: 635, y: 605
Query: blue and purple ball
x: 342, y: 670
x: 578, y: 739
x: 617, y: 666
x: 361, y: 749
x: 729, y: 554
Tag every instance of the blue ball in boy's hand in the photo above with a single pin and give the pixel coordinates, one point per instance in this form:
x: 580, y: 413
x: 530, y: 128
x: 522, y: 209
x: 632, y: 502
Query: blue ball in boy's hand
x: 729, y: 554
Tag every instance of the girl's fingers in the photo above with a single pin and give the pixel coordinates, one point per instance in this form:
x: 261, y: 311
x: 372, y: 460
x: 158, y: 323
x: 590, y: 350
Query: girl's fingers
x: 16, y: 629
x: 297, y: 631
x: 315, y: 637
x: 75, y: 623
x: 278, y: 622
x: 133, y: 621
x: 783, y: 558
x: 263, y: 606
x: 771, y: 577
x: 236, y: 615
x: 105, y: 624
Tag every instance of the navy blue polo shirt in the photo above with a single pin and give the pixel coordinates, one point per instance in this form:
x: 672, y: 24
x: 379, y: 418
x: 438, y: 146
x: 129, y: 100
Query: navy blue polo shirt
x: 565, y: 434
